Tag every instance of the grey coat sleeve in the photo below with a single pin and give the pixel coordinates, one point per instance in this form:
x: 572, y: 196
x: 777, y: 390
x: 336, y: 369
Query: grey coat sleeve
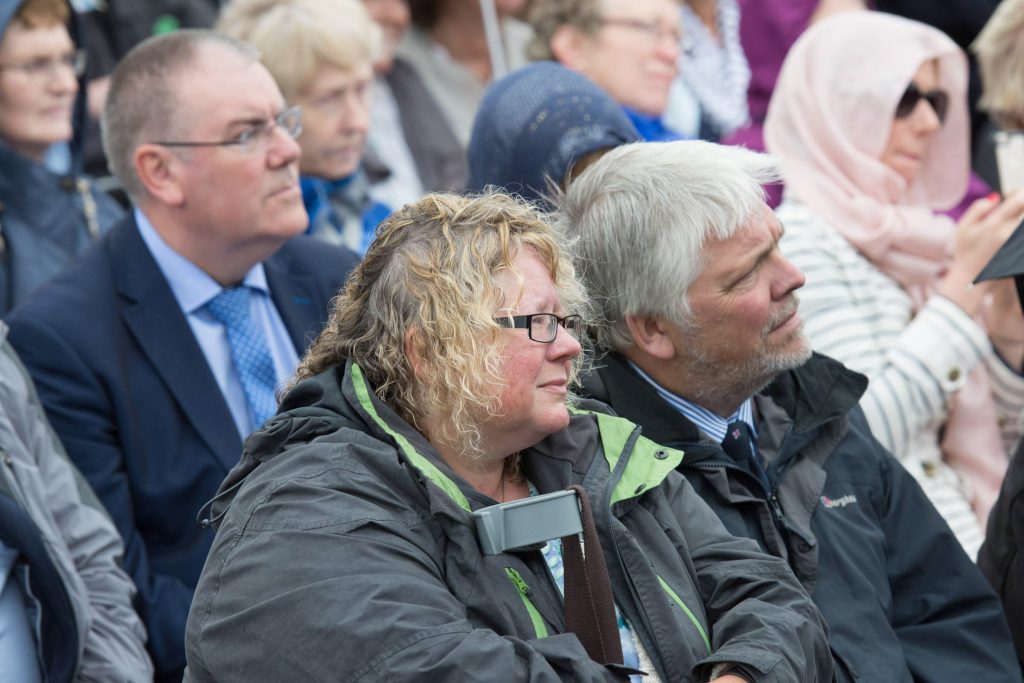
x: 65, y: 508
x: 760, y: 616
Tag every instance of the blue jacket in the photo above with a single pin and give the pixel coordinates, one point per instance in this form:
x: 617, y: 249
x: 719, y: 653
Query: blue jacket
x: 129, y: 392
x: 46, y: 219
x: 902, y: 600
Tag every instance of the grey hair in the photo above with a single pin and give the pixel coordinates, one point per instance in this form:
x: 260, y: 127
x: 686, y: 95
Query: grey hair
x: 639, y: 217
x: 142, y: 101
x: 296, y: 38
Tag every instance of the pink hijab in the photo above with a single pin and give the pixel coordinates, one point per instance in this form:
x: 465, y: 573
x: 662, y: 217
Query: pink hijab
x: 828, y: 122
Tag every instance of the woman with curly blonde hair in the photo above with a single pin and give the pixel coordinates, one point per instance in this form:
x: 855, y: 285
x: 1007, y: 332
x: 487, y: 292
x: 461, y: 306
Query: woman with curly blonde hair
x: 422, y: 297
x: 347, y: 545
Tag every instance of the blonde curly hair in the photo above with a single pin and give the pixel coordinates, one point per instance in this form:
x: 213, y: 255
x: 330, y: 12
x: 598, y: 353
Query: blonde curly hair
x: 427, y: 281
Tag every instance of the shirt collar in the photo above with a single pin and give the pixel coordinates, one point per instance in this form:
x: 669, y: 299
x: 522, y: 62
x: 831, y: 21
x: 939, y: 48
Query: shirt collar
x: 192, y: 287
x: 714, y: 426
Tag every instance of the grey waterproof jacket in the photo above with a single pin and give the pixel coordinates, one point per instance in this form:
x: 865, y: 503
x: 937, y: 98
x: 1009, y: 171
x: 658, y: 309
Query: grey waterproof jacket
x: 345, y: 552
x: 78, y: 597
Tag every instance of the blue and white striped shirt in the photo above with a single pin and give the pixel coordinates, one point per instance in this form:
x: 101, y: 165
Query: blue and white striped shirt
x: 711, y: 424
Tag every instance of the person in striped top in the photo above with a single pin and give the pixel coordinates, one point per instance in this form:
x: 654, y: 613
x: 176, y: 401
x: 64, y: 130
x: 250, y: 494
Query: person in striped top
x: 869, y: 119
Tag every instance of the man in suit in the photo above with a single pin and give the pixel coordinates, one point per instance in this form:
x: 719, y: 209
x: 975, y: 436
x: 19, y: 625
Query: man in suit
x: 162, y: 348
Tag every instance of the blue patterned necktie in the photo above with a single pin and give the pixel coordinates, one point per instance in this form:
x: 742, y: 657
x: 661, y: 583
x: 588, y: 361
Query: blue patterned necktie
x: 739, y: 444
x: 249, y: 351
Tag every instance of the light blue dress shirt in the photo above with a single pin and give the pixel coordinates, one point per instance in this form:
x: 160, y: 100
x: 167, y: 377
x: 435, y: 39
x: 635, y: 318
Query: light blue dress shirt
x: 19, y: 662
x: 193, y: 288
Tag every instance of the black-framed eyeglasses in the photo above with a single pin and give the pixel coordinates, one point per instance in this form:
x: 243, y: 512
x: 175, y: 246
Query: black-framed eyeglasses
x: 542, y: 327
x: 652, y: 28
x: 254, y: 136
x: 937, y: 99
x: 47, y: 66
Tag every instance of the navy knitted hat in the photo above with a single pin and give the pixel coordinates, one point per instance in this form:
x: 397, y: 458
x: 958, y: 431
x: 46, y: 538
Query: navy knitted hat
x: 534, y: 123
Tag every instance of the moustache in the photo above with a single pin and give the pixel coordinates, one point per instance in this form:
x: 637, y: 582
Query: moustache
x: 783, y: 314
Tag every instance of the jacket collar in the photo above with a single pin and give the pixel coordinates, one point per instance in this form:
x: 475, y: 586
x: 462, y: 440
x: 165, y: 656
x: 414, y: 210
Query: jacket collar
x: 344, y: 396
x: 337, y: 398
x: 25, y: 185
x: 819, y: 391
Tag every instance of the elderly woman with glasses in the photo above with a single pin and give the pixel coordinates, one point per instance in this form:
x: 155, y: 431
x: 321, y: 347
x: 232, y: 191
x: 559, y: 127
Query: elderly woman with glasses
x: 49, y: 212
x: 440, y: 389
x: 869, y: 119
x: 629, y: 49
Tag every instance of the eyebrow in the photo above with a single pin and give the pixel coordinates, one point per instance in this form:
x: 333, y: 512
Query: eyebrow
x: 749, y: 266
x: 246, y: 120
x: 760, y: 256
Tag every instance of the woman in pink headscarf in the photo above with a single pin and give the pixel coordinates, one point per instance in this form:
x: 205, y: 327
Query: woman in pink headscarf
x: 869, y: 119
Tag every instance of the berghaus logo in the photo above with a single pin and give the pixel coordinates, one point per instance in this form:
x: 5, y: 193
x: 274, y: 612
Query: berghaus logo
x: 842, y: 502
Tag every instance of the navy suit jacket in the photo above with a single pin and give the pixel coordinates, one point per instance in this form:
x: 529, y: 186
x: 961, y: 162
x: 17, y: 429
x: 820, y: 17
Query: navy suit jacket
x: 128, y: 390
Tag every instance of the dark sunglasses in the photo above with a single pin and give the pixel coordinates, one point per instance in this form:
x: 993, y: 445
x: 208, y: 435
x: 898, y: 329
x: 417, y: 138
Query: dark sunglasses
x: 937, y: 99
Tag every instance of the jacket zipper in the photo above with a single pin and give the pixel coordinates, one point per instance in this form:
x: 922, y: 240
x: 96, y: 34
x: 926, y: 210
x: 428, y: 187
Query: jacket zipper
x: 772, y: 500
x: 539, y: 627
x: 645, y: 620
x: 776, y: 508
x: 89, y: 209
x: 646, y: 632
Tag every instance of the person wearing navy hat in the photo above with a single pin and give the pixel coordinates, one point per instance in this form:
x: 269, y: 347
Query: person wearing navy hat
x: 540, y: 124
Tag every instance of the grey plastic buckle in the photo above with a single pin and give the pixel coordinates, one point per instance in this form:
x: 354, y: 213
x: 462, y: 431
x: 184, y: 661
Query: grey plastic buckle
x: 528, y: 521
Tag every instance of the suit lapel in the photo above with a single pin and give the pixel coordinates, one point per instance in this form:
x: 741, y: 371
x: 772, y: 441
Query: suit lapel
x: 297, y: 299
x: 152, y: 314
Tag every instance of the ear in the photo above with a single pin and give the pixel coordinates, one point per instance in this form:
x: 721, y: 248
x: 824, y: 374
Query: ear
x: 568, y: 45
x: 160, y: 172
x: 651, y: 335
